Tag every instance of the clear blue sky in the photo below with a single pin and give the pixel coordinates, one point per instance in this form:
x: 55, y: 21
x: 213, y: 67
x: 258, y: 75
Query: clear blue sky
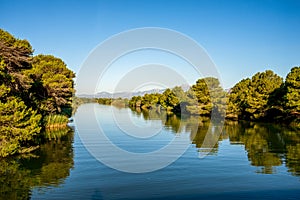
x: 242, y: 37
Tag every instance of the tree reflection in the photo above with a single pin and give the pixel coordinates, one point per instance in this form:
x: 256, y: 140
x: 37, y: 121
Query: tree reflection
x: 293, y: 159
x: 152, y: 114
x: 48, y: 166
x: 203, y: 134
x: 292, y: 144
x: 206, y: 139
x: 267, y: 145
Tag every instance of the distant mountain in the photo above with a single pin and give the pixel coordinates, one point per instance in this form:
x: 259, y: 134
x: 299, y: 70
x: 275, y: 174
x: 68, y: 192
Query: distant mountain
x: 121, y: 94
x: 131, y: 94
x: 126, y: 94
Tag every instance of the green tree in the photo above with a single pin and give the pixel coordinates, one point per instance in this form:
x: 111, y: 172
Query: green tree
x: 292, y: 97
x: 168, y: 99
x: 292, y: 84
x: 180, y: 94
x: 150, y: 100
x: 210, y: 95
x: 19, y: 124
x: 261, y: 86
x: 29, y: 86
x: 18, y: 127
x: 250, y: 98
x: 192, y: 106
x: 52, y: 88
x: 237, y: 99
x: 135, y: 101
x: 14, y: 58
x: 105, y: 101
x: 202, y: 93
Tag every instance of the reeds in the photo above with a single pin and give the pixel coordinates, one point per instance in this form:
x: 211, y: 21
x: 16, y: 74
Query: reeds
x: 56, y: 133
x: 55, y: 121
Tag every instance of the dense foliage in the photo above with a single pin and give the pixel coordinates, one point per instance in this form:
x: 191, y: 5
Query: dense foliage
x: 202, y: 98
x: 52, y: 87
x: 31, y: 87
x: 292, y: 87
x: 250, y: 98
x: 264, y: 97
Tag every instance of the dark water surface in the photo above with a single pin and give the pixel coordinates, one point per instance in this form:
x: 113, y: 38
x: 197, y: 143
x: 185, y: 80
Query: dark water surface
x: 244, y: 161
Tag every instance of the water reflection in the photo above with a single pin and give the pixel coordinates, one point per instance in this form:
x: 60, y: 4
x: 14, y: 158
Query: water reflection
x: 268, y: 145
x: 47, y: 166
x: 202, y: 135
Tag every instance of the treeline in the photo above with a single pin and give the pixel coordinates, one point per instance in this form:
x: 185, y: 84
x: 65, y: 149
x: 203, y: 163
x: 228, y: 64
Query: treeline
x: 77, y: 101
x: 105, y: 101
x: 35, y: 93
x: 263, y: 97
x: 119, y: 102
x: 201, y: 99
x: 267, y: 97
x: 194, y: 101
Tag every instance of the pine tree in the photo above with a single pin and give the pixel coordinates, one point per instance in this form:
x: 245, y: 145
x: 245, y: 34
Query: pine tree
x: 292, y: 85
x: 52, y: 86
x: 18, y: 126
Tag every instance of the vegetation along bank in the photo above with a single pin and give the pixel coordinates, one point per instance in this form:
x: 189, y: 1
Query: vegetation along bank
x: 35, y: 95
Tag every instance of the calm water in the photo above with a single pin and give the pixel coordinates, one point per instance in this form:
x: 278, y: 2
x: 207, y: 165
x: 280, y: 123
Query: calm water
x: 245, y: 160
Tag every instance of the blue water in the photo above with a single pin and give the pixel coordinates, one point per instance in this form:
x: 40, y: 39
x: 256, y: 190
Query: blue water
x: 226, y: 172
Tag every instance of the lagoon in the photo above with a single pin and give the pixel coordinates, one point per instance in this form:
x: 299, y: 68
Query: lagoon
x: 230, y: 160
